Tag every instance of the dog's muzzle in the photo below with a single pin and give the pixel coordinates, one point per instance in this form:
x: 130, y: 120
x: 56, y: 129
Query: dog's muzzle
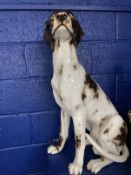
x: 65, y: 27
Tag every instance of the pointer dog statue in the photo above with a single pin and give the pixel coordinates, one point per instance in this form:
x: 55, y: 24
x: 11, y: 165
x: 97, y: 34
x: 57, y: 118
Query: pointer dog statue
x: 81, y: 98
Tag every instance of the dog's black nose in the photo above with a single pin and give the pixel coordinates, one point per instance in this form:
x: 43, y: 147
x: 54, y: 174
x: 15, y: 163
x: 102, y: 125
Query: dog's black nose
x: 61, y: 17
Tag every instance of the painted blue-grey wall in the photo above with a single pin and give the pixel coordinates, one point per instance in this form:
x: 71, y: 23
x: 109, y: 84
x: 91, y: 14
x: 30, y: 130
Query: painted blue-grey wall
x: 29, y: 116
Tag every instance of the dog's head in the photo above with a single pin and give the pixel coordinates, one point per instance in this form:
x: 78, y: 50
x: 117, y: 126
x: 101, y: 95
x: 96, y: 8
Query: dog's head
x: 63, y: 26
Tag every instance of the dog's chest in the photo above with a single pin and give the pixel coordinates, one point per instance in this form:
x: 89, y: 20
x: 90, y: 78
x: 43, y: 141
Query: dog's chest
x: 65, y: 79
x: 67, y: 84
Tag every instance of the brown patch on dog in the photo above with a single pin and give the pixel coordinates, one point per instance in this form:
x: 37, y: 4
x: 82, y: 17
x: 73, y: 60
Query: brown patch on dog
x: 75, y: 66
x: 78, y: 141
x: 96, y: 95
x: 48, y: 34
x: 58, y: 143
x: 83, y: 95
x: 103, y: 121
x: 106, y: 131
x: 61, y: 70
x: 58, y: 44
x: 102, y: 158
x: 121, y: 137
x: 92, y: 85
x: 78, y: 32
x: 121, y: 152
x: 61, y: 99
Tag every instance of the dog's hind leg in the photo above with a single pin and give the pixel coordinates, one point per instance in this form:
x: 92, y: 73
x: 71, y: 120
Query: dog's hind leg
x: 95, y: 165
x: 58, y: 146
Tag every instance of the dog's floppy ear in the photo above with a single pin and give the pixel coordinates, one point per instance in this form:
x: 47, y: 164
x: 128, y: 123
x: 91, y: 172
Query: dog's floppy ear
x: 78, y: 31
x: 48, y: 37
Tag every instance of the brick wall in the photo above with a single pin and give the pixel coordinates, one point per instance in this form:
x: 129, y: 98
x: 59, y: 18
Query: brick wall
x: 29, y: 116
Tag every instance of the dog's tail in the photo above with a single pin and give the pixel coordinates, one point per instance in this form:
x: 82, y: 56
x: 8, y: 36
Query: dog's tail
x: 115, y: 158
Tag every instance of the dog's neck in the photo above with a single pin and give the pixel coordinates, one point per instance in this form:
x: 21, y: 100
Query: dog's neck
x: 64, y: 54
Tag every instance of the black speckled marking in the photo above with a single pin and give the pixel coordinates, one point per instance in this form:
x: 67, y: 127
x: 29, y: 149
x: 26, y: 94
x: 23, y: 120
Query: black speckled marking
x: 78, y: 141
x: 121, y: 137
x: 106, y: 131
x: 61, y: 70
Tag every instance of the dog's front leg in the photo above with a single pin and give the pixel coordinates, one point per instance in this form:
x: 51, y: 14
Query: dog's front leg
x: 65, y: 121
x: 75, y: 168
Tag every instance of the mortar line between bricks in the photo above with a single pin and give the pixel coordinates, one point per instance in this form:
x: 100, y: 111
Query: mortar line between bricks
x: 117, y: 33
x: 49, y: 78
x: 102, y: 74
x: 23, y: 146
x: 29, y: 113
x: 27, y: 79
x: 105, y: 41
x: 115, y: 26
x: 21, y: 42
x: 26, y: 63
x: 31, y: 128
x: 43, y: 7
x: 42, y: 42
x: 39, y: 173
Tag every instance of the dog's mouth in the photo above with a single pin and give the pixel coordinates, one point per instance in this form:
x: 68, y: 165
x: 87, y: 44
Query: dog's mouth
x: 65, y: 27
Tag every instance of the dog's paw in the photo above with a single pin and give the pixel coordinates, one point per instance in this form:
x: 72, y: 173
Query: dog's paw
x: 75, y: 169
x: 53, y: 149
x: 95, y: 165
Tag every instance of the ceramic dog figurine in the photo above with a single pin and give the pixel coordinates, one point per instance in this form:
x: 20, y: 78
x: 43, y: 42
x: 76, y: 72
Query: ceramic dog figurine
x: 81, y: 98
